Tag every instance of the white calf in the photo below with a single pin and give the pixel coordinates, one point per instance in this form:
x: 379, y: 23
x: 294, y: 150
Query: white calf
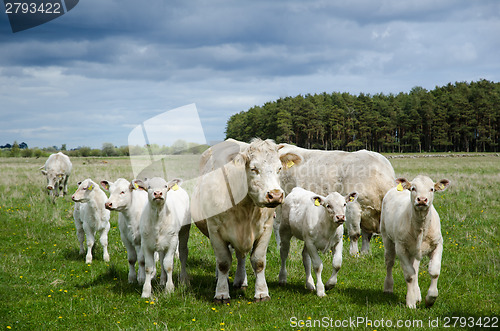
x: 165, y: 222
x: 316, y: 220
x: 411, y: 228
x: 90, y: 217
x: 129, y: 201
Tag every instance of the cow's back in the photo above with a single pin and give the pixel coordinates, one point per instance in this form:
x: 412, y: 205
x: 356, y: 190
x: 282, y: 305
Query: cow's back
x: 59, y: 163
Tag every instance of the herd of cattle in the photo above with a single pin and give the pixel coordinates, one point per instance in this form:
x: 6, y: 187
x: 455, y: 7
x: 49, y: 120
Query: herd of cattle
x: 246, y: 190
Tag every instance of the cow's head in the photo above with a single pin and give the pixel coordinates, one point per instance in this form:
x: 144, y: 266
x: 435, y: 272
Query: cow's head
x: 422, y: 190
x: 120, y: 194
x: 53, y: 178
x: 157, y: 189
x: 335, y: 204
x: 84, y: 190
x: 262, y: 167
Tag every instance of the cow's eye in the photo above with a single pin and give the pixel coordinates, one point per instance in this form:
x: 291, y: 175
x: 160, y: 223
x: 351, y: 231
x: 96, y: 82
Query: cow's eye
x: 432, y: 189
x: 345, y: 204
x: 279, y: 170
x: 255, y: 170
x: 413, y: 188
x: 122, y: 192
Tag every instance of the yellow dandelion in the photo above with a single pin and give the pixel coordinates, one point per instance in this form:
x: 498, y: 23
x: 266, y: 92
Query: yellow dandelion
x: 194, y: 320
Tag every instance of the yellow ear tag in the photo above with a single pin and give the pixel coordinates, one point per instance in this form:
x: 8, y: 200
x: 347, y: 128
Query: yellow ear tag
x: 89, y: 188
x: 290, y: 164
x: 441, y: 186
x: 351, y: 199
x: 136, y: 186
x: 316, y: 202
x: 175, y: 187
x: 399, y: 187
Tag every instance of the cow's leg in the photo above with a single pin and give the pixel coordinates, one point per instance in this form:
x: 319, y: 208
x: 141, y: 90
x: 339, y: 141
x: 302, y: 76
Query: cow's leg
x: 258, y: 261
x: 337, y: 258
x: 65, y: 188
x: 434, y: 271
x: 104, y: 242
x: 80, y: 234
x: 163, y: 272
x: 240, y: 278
x: 365, y: 242
x: 276, y: 226
x: 418, y: 294
x: 168, y: 264
x: 390, y: 255
x: 149, y: 270
x: 407, y: 264
x: 286, y: 236
x: 306, y: 261
x: 141, y: 275
x: 183, y: 251
x: 353, y: 223
x: 89, y: 234
x: 132, y: 259
x: 318, y: 267
x: 223, y: 259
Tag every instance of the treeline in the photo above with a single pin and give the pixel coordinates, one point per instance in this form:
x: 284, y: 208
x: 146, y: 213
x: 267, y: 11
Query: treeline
x: 460, y: 117
x: 107, y: 150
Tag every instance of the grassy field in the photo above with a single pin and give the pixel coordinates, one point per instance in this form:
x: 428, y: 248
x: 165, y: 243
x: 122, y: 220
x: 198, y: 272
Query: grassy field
x: 45, y: 284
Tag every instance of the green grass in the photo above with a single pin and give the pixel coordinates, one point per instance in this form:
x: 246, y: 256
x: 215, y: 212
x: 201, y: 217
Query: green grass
x: 45, y: 284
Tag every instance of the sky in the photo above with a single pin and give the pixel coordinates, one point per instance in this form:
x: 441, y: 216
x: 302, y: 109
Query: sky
x: 94, y: 74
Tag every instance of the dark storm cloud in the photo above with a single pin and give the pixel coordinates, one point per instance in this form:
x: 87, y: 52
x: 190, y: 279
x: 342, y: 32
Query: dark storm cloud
x: 120, y: 62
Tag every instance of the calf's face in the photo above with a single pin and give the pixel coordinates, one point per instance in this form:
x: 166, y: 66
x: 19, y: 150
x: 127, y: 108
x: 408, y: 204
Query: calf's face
x: 82, y: 194
x: 335, y: 204
x: 157, y: 188
x: 120, y: 194
x: 422, y: 190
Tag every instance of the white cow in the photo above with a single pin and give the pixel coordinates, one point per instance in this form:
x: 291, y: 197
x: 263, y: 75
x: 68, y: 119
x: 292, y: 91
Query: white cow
x: 368, y: 173
x: 317, y: 221
x: 57, y: 169
x: 129, y: 201
x: 233, y: 203
x: 91, y: 217
x: 411, y: 228
x: 165, y: 224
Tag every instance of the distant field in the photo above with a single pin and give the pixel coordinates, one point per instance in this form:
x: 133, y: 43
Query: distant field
x: 45, y: 284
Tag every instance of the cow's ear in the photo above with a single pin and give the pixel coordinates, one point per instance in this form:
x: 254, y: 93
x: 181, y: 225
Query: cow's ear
x: 139, y: 184
x: 351, y: 197
x: 44, y: 172
x: 105, y: 184
x: 441, y: 185
x: 174, y: 184
x: 318, y: 200
x: 240, y: 159
x: 290, y: 159
x: 403, y: 183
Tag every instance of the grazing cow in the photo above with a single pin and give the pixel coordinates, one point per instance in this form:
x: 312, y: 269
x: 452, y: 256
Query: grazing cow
x: 91, y: 217
x: 57, y: 169
x: 317, y: 221
x: 368, y: 173
x: 411, y: 228
x: 233, y: 204
x: 129, y: 201
x: 165, y: 224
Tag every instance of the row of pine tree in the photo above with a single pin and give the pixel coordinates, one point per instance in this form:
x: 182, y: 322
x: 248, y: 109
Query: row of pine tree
x: 460, y: 117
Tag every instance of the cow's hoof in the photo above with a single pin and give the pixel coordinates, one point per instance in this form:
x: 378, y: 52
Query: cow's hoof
x: 329, y: 286
x: 262, y: 299
x: 222, y: 301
